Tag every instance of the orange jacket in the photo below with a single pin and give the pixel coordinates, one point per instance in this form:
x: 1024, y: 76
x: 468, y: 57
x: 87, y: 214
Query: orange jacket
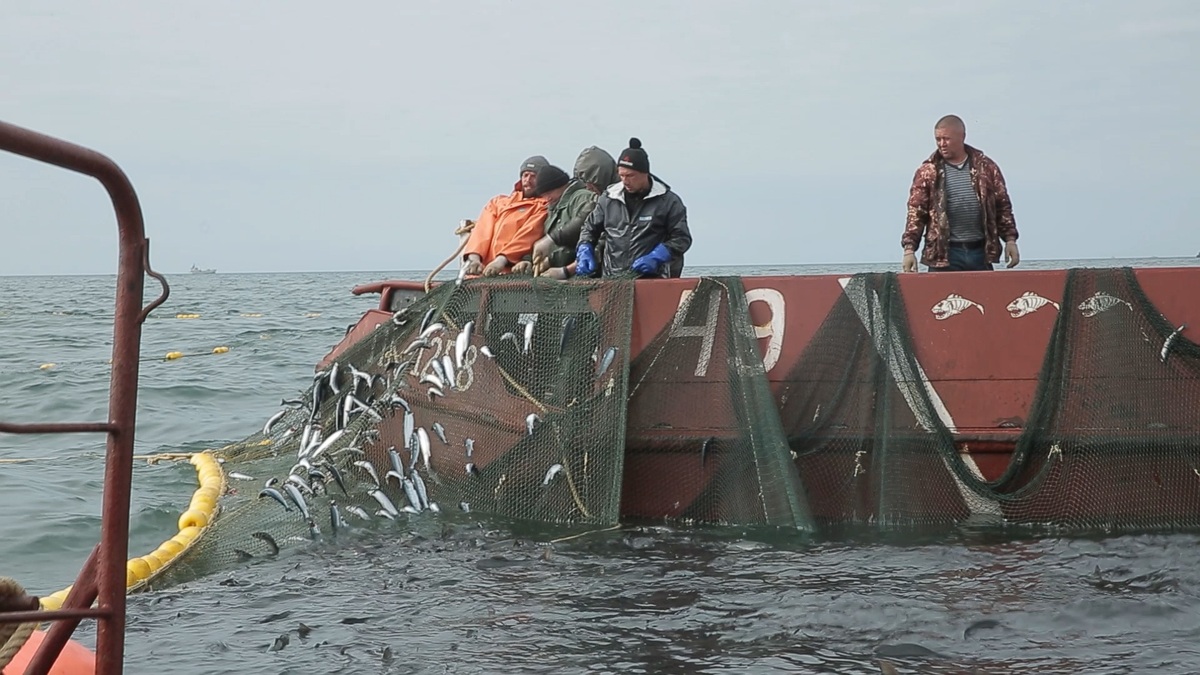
x: 509, y: 226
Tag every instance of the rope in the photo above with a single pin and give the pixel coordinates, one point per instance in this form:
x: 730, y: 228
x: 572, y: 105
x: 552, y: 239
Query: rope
x: 12, y: 636
x: 464, y: 228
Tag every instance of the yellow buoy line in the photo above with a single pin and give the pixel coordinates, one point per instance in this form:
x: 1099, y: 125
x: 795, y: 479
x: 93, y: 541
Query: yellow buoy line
x: 169, y: 356
x: 201, y: 511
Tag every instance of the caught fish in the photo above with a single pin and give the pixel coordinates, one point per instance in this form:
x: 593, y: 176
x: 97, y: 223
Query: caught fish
x: 704, y: 449
x: 430, y: 330
x: 297, y: 499
x: 512, y: 337
x: 268, y: 540
x: 461, y: 342
x: 426, y: 319
x: 239, y: 476
x: 1165, y: 348
x: 333, y: 438
x: 337, y: 477
x: 366, y: 465
x: 399, y: 476
x: 568, y: 329
x: 470, y: 445
x: 448, y: 369
x: 528, y: 336
x: 487, y: 351
x: 435, y: 392
x: 436, y: 365
x: 465, y: 507
x: 423, y: 444
x: 952, y: 305
x: 419, y: 484
x: 441, y: 432
x: 271, y: 422
x: 399, y: 318
x: 383, y: 513
x: 432, y: 379
x: 292, y: 403
x: 358, y: 511
x: 335, y: 518
x: 410, y: 491
x: 397, y: 400
x: 314, y: 532
x: 316, y: 478
x: 1028, y: 303
x: 272, y: 481
x: 415, y: 345
x: 471, y: 469
x: 551, y: 473
x: 276, y: 495
x: 333, y: 379
x: 409, y: 509
x: 1100, y: 302
x: 397, y: 463
x: 434, y: 507
x: 531, y: 422
x: 610, y: 355
x: 296, y: 480
x: 409, y: 429
x: 384, y: 501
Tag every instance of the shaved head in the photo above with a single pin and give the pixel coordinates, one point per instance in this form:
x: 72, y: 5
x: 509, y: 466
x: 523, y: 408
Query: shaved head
x: 951, y: 122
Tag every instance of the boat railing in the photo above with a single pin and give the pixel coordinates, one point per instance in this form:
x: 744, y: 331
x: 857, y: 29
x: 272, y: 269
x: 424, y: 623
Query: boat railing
x: 99, y: 590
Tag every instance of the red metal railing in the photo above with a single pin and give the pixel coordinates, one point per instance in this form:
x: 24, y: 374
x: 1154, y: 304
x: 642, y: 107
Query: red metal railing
x: 101, y: 580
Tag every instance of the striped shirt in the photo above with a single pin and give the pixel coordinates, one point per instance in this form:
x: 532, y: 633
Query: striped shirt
x: 962, y: 204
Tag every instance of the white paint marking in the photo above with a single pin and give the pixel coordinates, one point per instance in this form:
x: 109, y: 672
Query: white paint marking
x: 773, y: 329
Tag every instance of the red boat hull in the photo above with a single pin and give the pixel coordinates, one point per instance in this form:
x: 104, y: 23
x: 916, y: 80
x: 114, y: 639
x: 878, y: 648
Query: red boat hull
x: 981, y: 357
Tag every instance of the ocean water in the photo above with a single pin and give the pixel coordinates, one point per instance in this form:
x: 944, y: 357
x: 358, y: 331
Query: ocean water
x: 483, y: 596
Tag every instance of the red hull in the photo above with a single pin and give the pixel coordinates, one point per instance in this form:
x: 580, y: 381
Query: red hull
x: 982, y: 362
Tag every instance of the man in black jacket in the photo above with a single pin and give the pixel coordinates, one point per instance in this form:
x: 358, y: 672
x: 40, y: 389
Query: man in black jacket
x: 643, y: 222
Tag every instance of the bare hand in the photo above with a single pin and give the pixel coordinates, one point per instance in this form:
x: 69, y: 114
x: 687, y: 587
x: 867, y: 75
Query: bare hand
x: 1012, y: 254
x: 522, y: 267
x: 909, y: 263
x: 543, y: 247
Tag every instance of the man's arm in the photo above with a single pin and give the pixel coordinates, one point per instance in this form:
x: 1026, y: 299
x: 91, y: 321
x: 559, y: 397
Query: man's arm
x: 1006, y: 224
x: 919, y: 207
x: 479, y: 243
x: 593, y: 225
x: 531, y: 228
x: 679, y: 237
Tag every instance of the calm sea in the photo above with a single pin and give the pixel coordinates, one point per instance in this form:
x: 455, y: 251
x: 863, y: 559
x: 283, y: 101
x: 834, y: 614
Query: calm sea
x: 485, y: 597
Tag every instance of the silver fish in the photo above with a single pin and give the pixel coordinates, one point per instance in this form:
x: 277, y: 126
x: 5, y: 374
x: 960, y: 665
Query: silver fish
x: 1028, y: 303
x: 383, y: 500
x: 448, y: 369
x: 441, y: 432
x: 435, y: 391
x: 314, y: 532
x: 1100, y: 302
x: 551, y: 473
x: 431, y: 329
x: 952, y: 305
x: 419, y: 343
x: 333, y: 438
x: 461, y: 342
x: 268, y: 540
x: 434, y: 507
x: 272, y: 481
x: 293, y: 403
x: 436, y: 366
x: 295, y: 479
x: 399, y: 476
x: 433, y: 379
x: 427, y: 318
x: 399, y: 317
x: 335, y: 518
x: 471, y: 469
x: 366, y: 465
x: 511, y: 337
x: 610, y: 355
x: 409, y: 509
x: 465, y: 507
x: 297, y: 499
x: 528, y: 336
x: 470, y: 445
x: 271, y: 422
x: 568, y: 329
x: 239, y: 476
x: 276, y: 495
x: 1165, y: 348
x: 487, y: 351
x: 419, y: 484
x: 399, y: 401
x: 409, y: 429
x: 333, y: 378
x: 423, y: 441
x: 397, y: 463
x: 337, y: 477
x: 358, y: 511
x: 531, y: 422
x: 383, y: 513
x: 410, y: 491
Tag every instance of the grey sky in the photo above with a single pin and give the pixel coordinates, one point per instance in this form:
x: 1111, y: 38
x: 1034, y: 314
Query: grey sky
x: 280, y: 136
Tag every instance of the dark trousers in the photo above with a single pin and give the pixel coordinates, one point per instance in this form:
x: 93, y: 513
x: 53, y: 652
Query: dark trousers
x: 965, y: 258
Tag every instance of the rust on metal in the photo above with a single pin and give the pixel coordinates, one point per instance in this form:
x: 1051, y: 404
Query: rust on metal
x: 102, y: 578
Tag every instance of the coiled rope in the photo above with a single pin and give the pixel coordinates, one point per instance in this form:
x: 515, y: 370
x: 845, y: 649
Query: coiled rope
x: 13, y: 636
x: 464, y: 227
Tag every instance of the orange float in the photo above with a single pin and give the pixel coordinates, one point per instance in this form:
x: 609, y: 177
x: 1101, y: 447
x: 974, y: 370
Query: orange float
x: 75, y: 659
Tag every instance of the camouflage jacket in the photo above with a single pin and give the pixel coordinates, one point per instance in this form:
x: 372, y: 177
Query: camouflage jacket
x: 927, y: 209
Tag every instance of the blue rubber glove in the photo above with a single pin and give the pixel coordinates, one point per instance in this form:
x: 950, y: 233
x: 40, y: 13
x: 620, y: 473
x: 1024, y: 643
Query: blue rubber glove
x: 585, y: 260
x: 650, y: 263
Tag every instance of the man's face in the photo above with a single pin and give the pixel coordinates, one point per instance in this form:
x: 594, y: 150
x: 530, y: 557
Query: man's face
x: 528, y: 181
x: 634, y: 181
x: 950, y: 141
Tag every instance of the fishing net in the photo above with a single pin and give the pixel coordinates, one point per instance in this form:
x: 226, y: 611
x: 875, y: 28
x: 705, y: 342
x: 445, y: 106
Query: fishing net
x: 725, y: 455
x: 505, y: 397
x: 1110, y: 443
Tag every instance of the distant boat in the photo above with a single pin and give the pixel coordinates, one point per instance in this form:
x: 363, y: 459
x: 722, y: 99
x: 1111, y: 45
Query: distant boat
x: 197, y: 270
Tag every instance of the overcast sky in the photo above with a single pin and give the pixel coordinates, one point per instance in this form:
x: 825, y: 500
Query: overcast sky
x: 300, y: 135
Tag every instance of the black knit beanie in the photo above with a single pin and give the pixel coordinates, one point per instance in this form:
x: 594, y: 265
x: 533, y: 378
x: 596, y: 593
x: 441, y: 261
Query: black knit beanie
x: 634, y: 157
x: 549, y: 178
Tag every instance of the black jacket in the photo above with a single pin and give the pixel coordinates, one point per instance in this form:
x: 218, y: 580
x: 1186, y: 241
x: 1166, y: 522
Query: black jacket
x: 660, y: 219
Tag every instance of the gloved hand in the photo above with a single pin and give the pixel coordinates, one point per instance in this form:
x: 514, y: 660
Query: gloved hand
x: 1012, y: 254
x: 585, y: 260
x: 522, y: 267
x: 543, y: 247
x: 496, y: 267
x: 650, y: 263
x: 473, y: 265
x: 909, y: 262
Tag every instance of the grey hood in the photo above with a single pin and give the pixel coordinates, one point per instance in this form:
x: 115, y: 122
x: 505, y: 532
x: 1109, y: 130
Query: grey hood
x: 597, y: 167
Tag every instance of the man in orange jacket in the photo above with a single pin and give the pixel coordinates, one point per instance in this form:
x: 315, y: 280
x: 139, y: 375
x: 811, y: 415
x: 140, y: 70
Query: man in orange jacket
x: 508, y: 227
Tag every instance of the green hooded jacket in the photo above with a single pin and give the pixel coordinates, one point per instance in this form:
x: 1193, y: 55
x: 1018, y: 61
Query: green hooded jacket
x: 566, y: 217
